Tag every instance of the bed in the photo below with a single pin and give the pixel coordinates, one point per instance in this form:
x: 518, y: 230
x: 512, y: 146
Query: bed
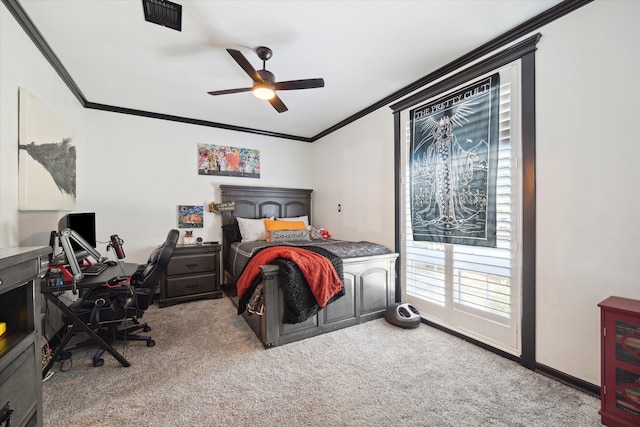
x: 369, y: 272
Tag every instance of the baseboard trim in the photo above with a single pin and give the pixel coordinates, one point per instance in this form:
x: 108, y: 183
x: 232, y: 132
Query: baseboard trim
x: 547, y: 371
x: 472, y: 341
x: 567, y: 379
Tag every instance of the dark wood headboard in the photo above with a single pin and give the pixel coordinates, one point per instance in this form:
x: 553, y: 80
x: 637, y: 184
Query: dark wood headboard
x: 263, y: 202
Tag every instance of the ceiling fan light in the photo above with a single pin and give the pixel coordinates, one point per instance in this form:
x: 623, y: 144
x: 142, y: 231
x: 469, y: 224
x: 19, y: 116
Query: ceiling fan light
x: 263, y: 91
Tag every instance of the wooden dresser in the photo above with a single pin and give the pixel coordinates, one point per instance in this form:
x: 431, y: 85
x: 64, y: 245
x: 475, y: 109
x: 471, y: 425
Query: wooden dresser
x: 193, y: 272
x: 20, y: 345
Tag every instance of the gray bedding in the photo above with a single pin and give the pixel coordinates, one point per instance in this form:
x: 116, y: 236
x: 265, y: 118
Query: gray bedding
x: 241, y: 252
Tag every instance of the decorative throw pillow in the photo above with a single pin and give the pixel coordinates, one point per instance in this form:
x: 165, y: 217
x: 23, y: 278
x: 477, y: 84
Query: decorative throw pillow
x: 252, y: 230
x: 304, y: 218
x: 275, y: 225
x: 319, y: 233
x: 288, y: 235
x: 232, y: 232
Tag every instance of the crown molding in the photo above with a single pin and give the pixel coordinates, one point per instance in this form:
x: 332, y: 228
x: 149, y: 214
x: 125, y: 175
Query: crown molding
x: 512, y: 35
x: 187, y: 120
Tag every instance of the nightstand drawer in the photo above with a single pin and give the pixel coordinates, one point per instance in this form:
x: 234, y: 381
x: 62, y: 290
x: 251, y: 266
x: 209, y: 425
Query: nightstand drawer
x: 190, y: 285
x: 190, y: 264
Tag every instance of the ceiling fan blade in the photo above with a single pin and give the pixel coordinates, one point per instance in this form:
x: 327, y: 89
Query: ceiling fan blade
x: 299, y: 84
x: 228, y: 91
x: 245, y: 64
x: 278, y: 104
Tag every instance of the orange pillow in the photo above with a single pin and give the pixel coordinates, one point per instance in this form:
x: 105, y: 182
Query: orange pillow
x: 274, y: 224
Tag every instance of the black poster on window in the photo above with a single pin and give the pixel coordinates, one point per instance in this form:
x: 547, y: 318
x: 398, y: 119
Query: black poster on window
x: 453, y: 164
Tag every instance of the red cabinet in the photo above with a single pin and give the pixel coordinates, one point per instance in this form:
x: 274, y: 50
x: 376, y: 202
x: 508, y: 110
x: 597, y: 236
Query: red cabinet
x: 620, y: 388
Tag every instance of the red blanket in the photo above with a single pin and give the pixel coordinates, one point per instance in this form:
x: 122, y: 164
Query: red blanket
x: 322, y: 278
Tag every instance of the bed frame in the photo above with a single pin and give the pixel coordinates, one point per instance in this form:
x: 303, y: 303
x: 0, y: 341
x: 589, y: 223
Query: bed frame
x: 369, y: 281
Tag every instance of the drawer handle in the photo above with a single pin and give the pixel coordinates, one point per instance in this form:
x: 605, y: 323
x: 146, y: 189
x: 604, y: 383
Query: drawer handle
x: 191, y: 265
x: 193, y: 285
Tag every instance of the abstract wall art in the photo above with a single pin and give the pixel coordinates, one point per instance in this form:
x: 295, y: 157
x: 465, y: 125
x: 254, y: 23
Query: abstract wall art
x: 228, y: 161
x: 46, y: 158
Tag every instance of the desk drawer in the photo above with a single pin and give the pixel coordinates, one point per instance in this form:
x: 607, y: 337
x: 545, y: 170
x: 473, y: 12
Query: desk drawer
x: 189, y: 264
x: 18, y: 388
x: 189, y: 285
x: 17, y: 274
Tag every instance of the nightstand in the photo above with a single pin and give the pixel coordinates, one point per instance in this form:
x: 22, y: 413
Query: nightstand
x: 193, y: 273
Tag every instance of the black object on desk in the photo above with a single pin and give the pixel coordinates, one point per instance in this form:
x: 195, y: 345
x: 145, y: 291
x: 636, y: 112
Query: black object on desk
x: 87, y: 283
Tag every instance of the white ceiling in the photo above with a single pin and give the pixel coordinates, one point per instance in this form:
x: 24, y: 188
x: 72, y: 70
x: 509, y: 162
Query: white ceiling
x: 364, y: 50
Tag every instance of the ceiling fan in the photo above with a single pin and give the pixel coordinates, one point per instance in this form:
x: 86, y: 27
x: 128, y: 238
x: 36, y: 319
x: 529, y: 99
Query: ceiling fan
x: 264, y: 81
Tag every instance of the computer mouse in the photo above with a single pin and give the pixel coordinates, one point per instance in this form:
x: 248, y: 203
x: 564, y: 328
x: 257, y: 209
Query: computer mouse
x: 112, y: 263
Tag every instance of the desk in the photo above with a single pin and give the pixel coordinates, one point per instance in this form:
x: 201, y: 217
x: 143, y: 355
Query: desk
x: 88, y: 282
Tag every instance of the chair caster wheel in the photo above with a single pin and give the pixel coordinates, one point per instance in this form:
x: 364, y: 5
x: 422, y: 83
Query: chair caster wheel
x: 146, y: 328
x: 98, y: 362
x: 150, y: 342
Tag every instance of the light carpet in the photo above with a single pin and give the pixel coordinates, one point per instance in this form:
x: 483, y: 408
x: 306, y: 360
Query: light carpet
x: 209, y: 369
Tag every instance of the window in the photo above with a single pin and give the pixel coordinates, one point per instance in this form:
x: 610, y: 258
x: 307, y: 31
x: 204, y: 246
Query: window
x: 472, y: 289
x: 482, y: 292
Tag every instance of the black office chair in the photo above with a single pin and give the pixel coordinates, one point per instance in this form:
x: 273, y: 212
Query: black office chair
x: 106, y: 309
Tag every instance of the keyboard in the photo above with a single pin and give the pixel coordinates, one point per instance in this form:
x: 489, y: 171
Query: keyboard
x: 94, y: 269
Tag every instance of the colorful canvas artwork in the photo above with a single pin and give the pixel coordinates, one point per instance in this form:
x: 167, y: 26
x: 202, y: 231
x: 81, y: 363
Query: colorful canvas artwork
x: 228, y: 161
x: 190, y: 216
x: 46, y: 158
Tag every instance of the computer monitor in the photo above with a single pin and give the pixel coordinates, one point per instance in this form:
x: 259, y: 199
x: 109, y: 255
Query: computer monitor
x: 82, y: 223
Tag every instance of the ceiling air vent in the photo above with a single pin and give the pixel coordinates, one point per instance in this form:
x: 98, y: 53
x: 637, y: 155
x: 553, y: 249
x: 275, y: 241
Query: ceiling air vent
x: 163, y: 12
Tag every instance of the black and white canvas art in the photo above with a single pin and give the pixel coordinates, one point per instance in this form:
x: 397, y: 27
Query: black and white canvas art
x: 453, y: 162
x: 46, y: 158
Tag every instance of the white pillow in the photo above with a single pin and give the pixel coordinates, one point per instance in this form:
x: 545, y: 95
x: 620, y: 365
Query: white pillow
x: 304, y: 218
x: 252, y: 229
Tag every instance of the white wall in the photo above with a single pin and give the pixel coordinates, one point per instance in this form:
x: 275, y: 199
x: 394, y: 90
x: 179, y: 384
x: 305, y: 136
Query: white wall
x: 354, y: 168
x: 133, y: 172
x: 588, y: 198
x: 22, y: 65
x: 136, y: 171
x: 587, y: 175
